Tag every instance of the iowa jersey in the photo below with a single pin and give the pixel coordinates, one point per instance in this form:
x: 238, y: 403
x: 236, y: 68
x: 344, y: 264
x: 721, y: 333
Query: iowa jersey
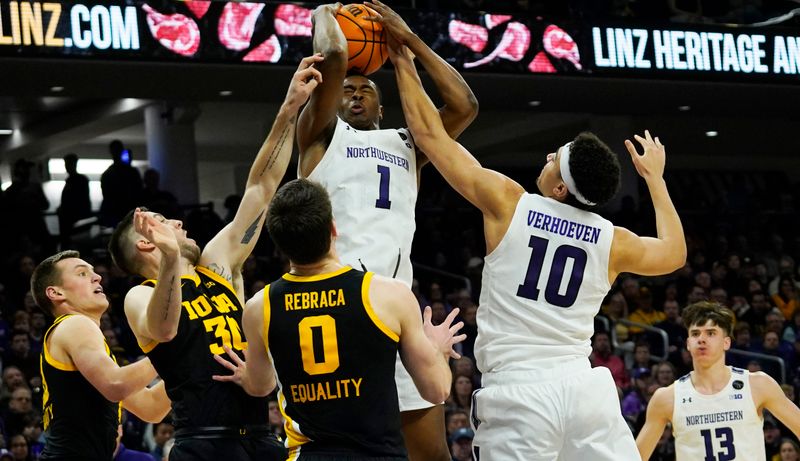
x: 211, y: 316
x: 335, y: 364
x: 79, y: 423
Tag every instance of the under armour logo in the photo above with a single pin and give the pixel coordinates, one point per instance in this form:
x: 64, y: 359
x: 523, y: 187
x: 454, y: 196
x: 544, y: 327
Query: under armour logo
x: 685, y: 399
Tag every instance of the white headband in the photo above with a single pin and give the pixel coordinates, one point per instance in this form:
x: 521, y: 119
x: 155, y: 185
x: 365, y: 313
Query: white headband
x: 566, y: 175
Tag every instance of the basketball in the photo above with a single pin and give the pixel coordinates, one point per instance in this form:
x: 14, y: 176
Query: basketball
x: 366, y: 42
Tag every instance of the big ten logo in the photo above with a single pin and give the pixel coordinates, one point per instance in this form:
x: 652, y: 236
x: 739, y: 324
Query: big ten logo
x: 224, y: 327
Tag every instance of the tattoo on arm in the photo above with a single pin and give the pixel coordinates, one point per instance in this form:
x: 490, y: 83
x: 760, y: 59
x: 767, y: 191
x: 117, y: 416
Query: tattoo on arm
x: 219, y: 270
x: 169, y: 297
x: 251, y: 231
x: 277, y: 148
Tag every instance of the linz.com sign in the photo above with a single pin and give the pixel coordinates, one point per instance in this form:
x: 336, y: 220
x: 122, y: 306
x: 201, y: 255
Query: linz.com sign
x: 235, y: 32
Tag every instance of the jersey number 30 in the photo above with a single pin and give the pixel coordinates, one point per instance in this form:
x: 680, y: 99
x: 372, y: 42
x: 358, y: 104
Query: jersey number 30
x: 552, y: 292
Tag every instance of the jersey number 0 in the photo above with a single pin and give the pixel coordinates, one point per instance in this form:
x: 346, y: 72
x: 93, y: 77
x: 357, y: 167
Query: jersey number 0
x: 529, y: 289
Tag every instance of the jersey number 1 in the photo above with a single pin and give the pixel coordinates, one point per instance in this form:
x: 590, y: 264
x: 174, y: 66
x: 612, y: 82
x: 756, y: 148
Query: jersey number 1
x: 383, y: 190
x: 529, y: 289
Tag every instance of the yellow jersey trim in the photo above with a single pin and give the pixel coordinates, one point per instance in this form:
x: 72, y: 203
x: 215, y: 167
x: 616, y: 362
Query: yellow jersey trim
x: 209, y: 273
x: 267, y: 314
x: 365, y: 284
x: 294, y: 453
x: 149, y: 346
x: 49, y: 358
x: 294, y: 438
x: 317, y: 277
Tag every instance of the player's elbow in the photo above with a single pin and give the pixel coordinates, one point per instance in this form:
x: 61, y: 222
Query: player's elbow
x: 437, y: 395
x: 115, y: 390
x: 677, y: 257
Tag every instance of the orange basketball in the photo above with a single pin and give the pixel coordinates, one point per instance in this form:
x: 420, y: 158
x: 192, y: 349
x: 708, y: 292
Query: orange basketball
x: 366, y: 42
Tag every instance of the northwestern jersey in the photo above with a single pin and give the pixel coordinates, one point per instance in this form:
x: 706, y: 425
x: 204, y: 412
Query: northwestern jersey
x: 211, y: 316
x: 371, y: 177
x: 335, y: 364
x: 79, y: 423
x: 725, y: 425
x: 542, y: 287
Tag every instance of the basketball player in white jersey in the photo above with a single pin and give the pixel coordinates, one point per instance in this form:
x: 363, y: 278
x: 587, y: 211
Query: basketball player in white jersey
x: 372, y: 176
x: 550, y: 262
x: 716, y: 410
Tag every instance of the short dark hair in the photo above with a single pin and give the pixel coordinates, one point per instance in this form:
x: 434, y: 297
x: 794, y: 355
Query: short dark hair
x: 119, y: 245
x: 353, y: 73
x: 595, y: 169
x: 299, y: 221
x: 702, y: 311
x: 47, y: 274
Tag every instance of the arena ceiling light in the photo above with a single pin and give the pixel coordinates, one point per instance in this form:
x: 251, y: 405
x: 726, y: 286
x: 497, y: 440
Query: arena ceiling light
x: 225, y: 93
x: 684, y: 108
x: 56, y: 89
x: 534, y: 103
x: 6, y: 131
x: 711, y: 134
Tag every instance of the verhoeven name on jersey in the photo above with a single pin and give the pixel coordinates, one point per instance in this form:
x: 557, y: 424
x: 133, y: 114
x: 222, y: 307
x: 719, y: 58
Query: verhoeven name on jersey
x: 563, y: 227
x: 373, y: 152
x: 712, y: 418
x: 327, y: 390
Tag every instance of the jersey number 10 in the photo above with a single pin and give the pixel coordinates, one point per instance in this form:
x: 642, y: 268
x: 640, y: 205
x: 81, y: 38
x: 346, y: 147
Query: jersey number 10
x: 529, y: 289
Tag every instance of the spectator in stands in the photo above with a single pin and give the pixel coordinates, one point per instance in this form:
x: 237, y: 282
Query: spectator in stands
x: 13, y: 379
x: 673, y: 326
x: 761, y: 307
x: 773, y: 346
x: 121, y: 184
x: 636, y: 400
x: 461, y: 444
x: 25, y: 201
x: 468, y: 315
x: 455, y: 419
x: 162, y: 432
x: 774, y: 321
x: 276, y: 421
x: 603, y: 356
x: 19, y: 354
x: 664, y: 373
x: 616, y: 309
x: 772, y: 437
x: 75, y: 203
x: 645, y: 313
x: 156, y: 199
x: 789, y: 450
x: 461, y: 393
x: 39, y: 325
x: 19, y: 448
x: 20, y: 412
x: 719, y: 295
x: 792, y: 331
x: 696, y: 294
x: 787, y: 298
x: 641, y: 356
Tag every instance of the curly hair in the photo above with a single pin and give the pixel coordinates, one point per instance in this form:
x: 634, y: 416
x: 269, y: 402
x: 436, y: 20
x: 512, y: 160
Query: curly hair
x: 595, y: 169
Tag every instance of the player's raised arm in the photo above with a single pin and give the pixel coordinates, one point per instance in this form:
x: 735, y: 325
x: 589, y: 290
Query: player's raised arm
x: 659, y: 413
x: 460, y: 104
x: 229, y: 249
x: 424, y: 348
x: 318, y: 118
x: 646, y: 255
x: 769, y: 395
x: 82, y: 341
x: 493, y: 193
x: 255, y: 373
x: 154, y: 312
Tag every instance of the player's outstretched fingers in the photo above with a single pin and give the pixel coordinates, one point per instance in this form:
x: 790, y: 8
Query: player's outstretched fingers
x: 451, y: 316
x: 455, y: 328
x: 427, y: 314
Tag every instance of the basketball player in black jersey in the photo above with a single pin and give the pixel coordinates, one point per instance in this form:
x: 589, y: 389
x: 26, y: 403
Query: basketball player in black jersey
x: 331, y: 333
x: 82, y: 382
x: 192, y: 304
x: 356, y: 100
